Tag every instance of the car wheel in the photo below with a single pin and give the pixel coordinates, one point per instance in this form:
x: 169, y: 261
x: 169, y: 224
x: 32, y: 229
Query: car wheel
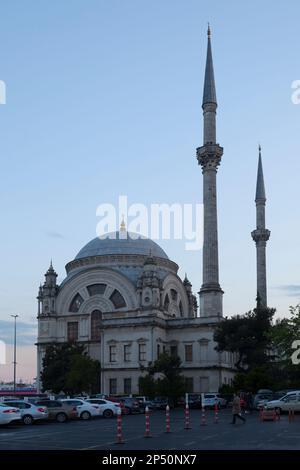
x: 108, y: 413
x: 278, y: 410
x: 61, y: 417
x: 27, y: 419
x: 127, y: 411
x: 85, y: 415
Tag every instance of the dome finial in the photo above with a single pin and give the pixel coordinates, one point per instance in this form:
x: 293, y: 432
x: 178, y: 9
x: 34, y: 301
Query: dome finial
x: 122, y: 225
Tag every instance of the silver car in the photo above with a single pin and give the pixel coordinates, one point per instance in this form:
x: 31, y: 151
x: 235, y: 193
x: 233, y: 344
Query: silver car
x: 107, y: 408
x: 8, y: 414
x: 29, y: 411
x: 291, y: 401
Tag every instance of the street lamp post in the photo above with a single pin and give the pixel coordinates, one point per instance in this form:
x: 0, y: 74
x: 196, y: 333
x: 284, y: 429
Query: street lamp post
x: 15, y: 350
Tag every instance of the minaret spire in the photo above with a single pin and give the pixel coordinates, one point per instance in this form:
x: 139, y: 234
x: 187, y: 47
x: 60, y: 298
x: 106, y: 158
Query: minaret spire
x: 260, y: 184
x: 209, y: 157
x: 261, y: 235
x: 209, y: 90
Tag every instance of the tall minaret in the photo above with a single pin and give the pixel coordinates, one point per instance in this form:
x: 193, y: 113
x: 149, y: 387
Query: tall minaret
x: 261, y: 235
x: 209, y: 157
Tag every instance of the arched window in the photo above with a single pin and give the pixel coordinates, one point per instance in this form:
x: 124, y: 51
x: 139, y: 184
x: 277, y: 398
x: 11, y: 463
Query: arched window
x: 96, y: 317
x: 96, y: 289
x: 117, y: 299
x: 76, y: 303
x: 166, y: 302
x: 174, y: 294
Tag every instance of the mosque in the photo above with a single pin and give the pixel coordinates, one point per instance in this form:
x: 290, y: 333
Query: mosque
x: 123, y: 299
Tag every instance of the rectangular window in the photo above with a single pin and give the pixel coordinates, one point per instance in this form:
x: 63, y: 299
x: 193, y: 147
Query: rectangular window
x: 112, y: 353
x: 72, y: 331
x: 127, y: 386
x: 189, y: 384
x: 188, y: 353
x: 203, y: 352
x: 142, y: 352
x: 158, y: 350
x: 174, y: 351
x: 127, y: 353
x: 112, y: 386
x: 204, y: 384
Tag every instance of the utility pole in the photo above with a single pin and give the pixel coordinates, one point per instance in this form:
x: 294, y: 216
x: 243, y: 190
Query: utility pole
x: 15, y: 350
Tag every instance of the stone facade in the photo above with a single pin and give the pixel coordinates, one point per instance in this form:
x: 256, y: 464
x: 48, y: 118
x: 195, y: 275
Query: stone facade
x: 154, y: 311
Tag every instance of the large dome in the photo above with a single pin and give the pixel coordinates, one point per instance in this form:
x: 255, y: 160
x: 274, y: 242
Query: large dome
x: 121, y: 243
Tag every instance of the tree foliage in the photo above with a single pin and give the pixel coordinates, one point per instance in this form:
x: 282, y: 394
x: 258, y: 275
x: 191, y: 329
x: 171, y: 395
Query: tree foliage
x: 263, y: 349
x: 248, y: 336
x: 283, y: 334
x: 68, y: 368
x: 163, y: 378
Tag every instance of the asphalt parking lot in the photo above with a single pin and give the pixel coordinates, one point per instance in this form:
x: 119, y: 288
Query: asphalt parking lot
x: 100, y: 434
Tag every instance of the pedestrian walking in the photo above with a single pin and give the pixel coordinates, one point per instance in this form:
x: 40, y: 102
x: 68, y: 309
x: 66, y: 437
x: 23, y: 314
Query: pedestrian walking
x: 236, y: 409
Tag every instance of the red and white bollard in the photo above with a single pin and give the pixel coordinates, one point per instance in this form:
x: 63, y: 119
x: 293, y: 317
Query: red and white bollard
x: 120, y: 439
x: 216, y: 420
x: 291, y: 415
x: 203, y: 417
x: 147, y: 423
x: 168, y: 419
x: 187, y: 417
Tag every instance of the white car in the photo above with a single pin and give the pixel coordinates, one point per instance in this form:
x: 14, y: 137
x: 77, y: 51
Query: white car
x: 9, y: 414
x: 107, y: 408
x: 211, y: 399
x: 29, y: 411
x: 85, y: 409
x: 290, y: 401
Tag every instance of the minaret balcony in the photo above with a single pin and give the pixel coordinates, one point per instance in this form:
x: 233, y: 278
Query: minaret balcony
x: 261, y: 235
x: 209, y: 156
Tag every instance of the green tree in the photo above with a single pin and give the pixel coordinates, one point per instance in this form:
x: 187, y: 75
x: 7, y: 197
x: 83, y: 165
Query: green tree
x: 248, y: 336
x: 168, y: 382
x: 68, y: 368
x: 283, y: 334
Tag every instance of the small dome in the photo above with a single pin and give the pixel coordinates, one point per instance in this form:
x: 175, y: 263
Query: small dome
x: 121, y: 243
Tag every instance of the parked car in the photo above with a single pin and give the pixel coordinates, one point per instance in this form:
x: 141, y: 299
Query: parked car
x: 147, y: 404
x: 8, y: 414
x: 194, y: 400
x: 58, y: 410
x: 107, y: 408
x: 289, y: 401
x: 275, y: 396
x: 130, y: 405
x: 228, y: 397
x: 85, y: 410
x: 212, y: 399
x: 264, y: 390
x: 117, y: 401
x: 160, y: 403
x: 29, y: 411
x: 261, y: 397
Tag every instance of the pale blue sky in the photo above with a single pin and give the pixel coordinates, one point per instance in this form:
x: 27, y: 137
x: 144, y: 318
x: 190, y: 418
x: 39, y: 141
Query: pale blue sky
x: 104, y: 98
